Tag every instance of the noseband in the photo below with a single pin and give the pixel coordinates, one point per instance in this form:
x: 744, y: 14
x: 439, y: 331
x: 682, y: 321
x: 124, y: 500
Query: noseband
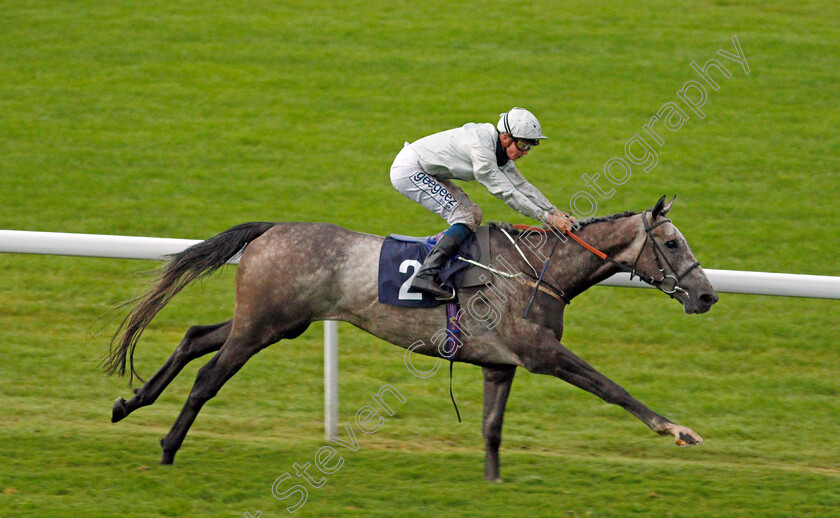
x: 659, y: 256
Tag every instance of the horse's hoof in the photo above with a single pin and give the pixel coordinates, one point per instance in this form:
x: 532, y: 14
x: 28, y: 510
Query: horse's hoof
x: 493, y: 478
x: 683, y: 437
x: 119, y: 411
x: 168, y: 456
x: 685, y: 440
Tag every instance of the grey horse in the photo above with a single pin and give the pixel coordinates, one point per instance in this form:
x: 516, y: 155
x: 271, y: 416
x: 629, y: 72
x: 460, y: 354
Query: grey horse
x: 293, y: 274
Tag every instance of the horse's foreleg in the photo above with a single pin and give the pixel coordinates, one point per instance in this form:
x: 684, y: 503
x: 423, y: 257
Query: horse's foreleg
x: 551, y: 357
x: 497, y: 382
x: 198, y: 341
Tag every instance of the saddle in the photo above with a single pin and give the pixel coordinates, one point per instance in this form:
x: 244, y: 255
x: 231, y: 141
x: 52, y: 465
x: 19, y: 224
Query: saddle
x: 401, y: 256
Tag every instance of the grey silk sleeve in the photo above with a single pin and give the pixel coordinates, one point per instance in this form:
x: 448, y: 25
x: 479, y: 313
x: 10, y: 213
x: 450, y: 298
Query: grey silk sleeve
x: 500, y: 185
x: 526, y: 188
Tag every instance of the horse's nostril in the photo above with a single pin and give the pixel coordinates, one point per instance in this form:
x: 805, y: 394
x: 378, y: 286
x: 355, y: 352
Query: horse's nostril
x: 708, y: 299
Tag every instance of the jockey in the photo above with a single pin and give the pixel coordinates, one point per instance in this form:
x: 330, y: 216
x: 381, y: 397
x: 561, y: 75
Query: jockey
x: 423, y: 171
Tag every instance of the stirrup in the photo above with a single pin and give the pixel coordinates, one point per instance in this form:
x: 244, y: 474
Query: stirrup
x: 446, y: 299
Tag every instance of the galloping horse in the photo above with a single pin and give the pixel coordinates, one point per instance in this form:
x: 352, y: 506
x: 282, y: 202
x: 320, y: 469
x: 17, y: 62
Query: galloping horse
x: 292, y: 274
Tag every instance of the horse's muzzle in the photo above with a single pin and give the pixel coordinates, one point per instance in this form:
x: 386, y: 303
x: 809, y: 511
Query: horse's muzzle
x: 704, y: 303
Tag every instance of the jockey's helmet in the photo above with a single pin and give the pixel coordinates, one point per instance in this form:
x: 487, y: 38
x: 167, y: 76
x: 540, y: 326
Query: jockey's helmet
x: 520, y: 123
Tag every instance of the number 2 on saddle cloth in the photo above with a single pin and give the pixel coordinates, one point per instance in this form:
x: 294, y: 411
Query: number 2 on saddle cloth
x: 399, y: 260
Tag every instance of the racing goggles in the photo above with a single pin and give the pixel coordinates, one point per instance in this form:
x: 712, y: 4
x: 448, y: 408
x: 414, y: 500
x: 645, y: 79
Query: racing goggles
x: 525, y: 144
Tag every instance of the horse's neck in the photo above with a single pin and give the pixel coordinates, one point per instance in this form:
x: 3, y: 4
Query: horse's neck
x: 576, y: 268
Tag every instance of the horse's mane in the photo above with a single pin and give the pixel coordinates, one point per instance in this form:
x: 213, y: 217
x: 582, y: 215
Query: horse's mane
x: 509, y: 227
x: 611, y: 217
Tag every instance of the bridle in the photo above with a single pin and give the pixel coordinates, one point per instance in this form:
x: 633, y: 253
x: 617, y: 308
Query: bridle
x: 659, y: 256
x: 668, y: 276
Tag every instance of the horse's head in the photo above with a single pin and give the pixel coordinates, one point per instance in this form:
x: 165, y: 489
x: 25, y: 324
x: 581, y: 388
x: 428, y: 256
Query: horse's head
x: 666, y: 258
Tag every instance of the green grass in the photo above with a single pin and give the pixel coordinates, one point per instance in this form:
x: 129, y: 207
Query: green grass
x: 183, y: 120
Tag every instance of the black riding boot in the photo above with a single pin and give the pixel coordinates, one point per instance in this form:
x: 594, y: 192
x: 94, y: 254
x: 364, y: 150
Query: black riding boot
x: 426, y: 279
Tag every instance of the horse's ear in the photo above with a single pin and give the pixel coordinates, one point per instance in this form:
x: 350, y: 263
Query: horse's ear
x: 657, y: 209
x: 668, y: 205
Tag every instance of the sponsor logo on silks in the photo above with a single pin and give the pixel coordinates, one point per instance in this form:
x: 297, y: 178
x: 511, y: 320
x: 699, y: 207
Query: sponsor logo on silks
x: 438, y: 192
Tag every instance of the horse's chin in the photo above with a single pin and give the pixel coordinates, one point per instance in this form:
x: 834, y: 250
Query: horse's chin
x: 692, y: 308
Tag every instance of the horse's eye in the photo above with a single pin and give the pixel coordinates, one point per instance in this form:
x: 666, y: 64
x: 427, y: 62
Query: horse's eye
x: 672, y: 244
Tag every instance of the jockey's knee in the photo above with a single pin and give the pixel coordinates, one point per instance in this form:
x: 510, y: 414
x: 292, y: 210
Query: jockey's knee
x: 473, y: 217
x: 467, y: 213
x: 469, y: 221
x: 477, y: 216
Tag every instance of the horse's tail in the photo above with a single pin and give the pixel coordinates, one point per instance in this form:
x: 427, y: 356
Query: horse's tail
x: 195, y: 262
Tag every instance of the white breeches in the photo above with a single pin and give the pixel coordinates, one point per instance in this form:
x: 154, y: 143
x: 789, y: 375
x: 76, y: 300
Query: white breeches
x: 437, y: 195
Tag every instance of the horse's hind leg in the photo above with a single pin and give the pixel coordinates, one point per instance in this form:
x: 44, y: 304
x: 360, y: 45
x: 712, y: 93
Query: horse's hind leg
x: 238, y: 348
x: 198, y: 341
x: 497, y: 382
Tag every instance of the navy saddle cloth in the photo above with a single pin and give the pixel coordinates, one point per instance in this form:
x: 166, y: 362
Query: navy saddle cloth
x: 399, y: 259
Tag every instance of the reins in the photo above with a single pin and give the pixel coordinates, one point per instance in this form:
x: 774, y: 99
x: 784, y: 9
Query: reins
x: 540, y: 280
x: 658, y: 256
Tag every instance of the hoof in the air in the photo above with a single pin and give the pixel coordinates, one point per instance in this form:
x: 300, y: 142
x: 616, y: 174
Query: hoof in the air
x: 119, y: 411
x: 684, y: 440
